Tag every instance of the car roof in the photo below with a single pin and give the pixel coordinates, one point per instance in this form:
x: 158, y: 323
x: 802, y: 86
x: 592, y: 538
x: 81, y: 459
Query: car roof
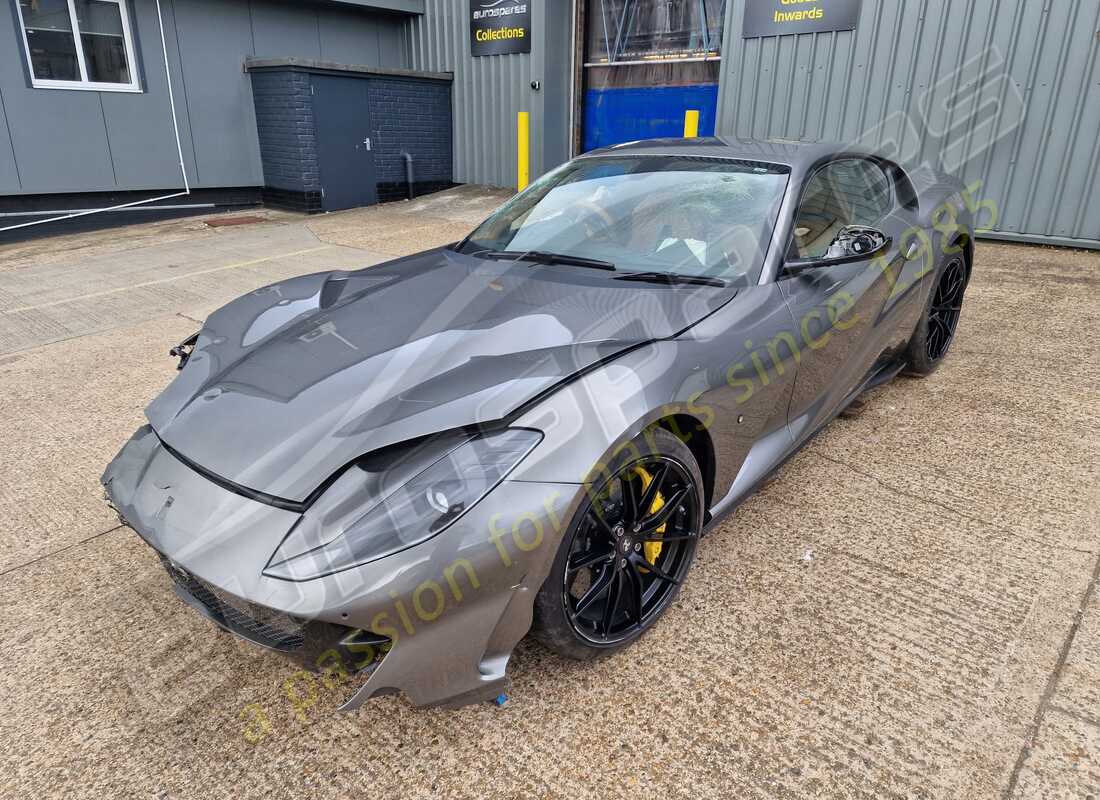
x: 799, y: 155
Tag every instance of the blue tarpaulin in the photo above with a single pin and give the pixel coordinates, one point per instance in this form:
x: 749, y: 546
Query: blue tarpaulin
x: 616, y: 115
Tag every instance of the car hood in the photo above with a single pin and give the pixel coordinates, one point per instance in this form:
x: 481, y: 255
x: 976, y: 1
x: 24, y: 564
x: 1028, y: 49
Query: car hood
x: 290, y: 383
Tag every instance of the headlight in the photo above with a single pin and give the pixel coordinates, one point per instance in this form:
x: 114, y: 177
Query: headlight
x: 352, y: 529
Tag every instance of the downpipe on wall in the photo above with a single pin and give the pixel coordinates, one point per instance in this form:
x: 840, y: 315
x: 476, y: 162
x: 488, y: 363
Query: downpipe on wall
x: 408, y: 172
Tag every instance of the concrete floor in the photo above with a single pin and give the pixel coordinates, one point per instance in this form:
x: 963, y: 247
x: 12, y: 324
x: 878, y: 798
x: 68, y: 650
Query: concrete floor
x: 909, y: 610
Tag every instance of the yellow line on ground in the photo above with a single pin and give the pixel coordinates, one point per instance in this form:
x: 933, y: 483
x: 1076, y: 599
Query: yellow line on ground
x: 121, y: 289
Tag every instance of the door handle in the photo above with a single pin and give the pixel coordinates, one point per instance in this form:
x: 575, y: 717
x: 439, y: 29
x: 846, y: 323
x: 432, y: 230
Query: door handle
x: 911, y: 251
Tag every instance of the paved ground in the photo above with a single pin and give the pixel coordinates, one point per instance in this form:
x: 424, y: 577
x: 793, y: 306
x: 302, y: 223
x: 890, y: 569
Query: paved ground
x: 909, y: 610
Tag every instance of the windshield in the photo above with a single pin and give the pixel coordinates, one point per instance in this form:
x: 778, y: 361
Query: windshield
x: 685, y: 216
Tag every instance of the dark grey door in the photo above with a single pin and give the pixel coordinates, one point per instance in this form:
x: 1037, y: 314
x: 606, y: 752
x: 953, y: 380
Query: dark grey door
x: 344, y: 153
x: 838, y: 309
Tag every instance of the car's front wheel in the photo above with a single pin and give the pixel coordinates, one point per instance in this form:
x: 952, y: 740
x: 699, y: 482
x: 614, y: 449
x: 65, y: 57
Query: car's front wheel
x: 627, y: 550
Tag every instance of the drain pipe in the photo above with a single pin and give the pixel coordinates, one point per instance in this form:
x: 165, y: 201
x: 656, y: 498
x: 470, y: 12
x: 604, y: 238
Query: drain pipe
x: 408, y: 172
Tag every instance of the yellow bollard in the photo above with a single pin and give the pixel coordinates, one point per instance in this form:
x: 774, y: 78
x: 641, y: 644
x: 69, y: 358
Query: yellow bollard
x: 523, y: 137
x: 691, y: 124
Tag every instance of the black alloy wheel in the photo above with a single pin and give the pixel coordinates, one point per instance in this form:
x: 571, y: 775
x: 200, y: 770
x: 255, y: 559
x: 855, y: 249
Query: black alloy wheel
x: 936, y: 329
x: 631, y: 550
x: 943, y: 314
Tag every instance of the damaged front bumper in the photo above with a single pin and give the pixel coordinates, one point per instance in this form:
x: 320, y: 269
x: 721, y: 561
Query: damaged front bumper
x: 437, y: 622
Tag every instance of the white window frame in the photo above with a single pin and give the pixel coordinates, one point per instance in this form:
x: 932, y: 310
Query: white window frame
x: 84, y: 84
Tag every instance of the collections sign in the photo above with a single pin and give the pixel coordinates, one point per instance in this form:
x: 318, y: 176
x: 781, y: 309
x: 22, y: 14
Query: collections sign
x: 779, y: 17
x: 499, y: 27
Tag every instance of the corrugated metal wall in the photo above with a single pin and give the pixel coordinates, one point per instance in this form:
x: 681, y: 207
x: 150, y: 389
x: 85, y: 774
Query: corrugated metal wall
x: 488, y: 92
x: 1002, y: 91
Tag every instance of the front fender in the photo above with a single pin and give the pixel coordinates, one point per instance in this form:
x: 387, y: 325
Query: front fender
x: 590, y: 417
x: 732, y: 373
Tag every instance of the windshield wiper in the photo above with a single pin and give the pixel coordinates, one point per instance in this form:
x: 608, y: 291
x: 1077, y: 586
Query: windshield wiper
x: 671, y: 278
x: 545, y: 257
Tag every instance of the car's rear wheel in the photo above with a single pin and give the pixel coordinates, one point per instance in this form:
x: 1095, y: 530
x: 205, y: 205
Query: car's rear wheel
x: 627, y: 550
x: 936, y: 329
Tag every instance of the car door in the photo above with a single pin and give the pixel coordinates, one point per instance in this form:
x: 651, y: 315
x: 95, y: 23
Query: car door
x: 837, y: 306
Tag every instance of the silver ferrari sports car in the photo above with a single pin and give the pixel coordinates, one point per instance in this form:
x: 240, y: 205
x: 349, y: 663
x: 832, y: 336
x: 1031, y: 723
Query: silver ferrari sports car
x: 398, y: 472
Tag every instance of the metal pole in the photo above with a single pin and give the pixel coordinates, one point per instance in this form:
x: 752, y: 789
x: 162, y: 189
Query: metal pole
x: 691, y: 123
x: 523, y: 139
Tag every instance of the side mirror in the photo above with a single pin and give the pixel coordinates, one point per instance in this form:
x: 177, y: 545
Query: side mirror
x: 853, y: 243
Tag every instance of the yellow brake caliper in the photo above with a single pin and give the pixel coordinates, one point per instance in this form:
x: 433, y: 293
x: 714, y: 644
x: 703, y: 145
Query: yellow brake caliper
x: 652, y: 549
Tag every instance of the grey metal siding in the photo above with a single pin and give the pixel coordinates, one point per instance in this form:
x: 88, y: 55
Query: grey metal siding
x: 351, y: 37
x: 489, y: 91
x: 67, y: 136
x: 280, y: 29
x: 1028, y: 133
x: 211, y: 41
x: 9, y: 175
x: 75, y: 141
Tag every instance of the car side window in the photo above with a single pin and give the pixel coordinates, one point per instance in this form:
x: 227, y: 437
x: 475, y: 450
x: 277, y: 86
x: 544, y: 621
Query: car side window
x: 852, y: 191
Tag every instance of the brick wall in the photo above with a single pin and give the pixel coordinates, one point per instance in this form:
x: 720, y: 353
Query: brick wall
x: 414, y: 116
x: 408, y: 114
x: 284, y: 122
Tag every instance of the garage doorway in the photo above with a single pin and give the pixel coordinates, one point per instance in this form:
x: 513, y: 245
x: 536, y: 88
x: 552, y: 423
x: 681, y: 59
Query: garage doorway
x: 646, y: 62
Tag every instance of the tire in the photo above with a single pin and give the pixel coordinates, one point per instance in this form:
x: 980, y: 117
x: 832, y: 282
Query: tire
x: 937, y: 326
x: 644, y: 566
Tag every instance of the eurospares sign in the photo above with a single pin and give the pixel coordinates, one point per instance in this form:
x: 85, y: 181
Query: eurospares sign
x: 499, y: 27
x: 780, y: 17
